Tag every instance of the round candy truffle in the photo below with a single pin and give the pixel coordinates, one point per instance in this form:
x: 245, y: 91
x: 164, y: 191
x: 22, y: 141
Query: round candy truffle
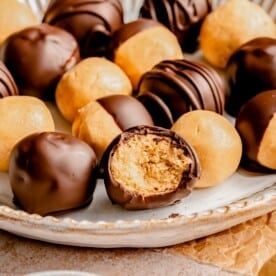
x: 99, y: 122
x: 174, y: 87
x: 91, y: 22
x: 89, y: 80
x: 229, y: 26
x: 182, y: 17
x: 256, y: 124
x: 251, y: 70
x: 52, y: 172
x: 7, y: 85
x: 216, y: 142
x: 38, y: 56
x: 139, y: 45
x: 21, y: 116
x: 149, y: 167
x: 14, y: 16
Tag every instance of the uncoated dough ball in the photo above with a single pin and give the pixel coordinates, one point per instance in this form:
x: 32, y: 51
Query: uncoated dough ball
x: 14, y: 16
x: 232, y: 24
x: 139, y: 45
x: 21, y: 116
x: 89, y: 80
x: 216, y: 142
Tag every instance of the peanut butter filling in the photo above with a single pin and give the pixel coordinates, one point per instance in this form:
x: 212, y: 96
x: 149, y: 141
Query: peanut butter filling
x: 149, y: 164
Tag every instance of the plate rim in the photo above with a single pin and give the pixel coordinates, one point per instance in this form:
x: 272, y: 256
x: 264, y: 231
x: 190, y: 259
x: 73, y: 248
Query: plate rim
x: 72, y: 231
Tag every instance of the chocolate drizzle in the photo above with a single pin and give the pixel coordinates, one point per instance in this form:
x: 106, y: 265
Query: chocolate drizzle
x: 182, y: 17
x: 7, y: 84
x: 92, y: 22
x: 183, y: 86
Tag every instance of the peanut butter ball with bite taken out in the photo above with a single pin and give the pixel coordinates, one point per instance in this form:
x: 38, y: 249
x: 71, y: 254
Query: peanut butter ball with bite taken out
x: 149, y: 167
x: 216, y: 142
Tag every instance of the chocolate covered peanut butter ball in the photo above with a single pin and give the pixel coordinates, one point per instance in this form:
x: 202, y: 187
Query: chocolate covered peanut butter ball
x: 37, y: 57
x: 182, y: 17
x: 256, y: 124
x: 251, y: 70
x: 91, y: 22
x: 149, y: 167
x: 174, y: 87
x: 52, y: 172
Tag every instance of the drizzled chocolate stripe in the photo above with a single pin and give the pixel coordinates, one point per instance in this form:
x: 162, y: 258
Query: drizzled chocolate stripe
x: 92, y: 22
x: 183, y: 86
x: 7, y: 84
x: 59, y: 9
x: 182, y: 17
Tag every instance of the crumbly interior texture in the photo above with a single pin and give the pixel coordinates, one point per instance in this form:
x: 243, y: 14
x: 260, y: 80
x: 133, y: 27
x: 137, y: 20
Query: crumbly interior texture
x: 149, y: 165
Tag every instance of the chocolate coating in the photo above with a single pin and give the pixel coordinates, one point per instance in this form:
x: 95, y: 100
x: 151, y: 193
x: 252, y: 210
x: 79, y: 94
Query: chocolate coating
x: 38, y: 56
x: 159, y: 110
x: 91, y: 22
x: 7, y: 85
x: 119, y: 193
x: 126, y: 111
x: 128, y: 30
x: 251, y: 123
x: 182, y: 17
x: 251, y: 70
x: 52, y: 172
x: 182, y: 86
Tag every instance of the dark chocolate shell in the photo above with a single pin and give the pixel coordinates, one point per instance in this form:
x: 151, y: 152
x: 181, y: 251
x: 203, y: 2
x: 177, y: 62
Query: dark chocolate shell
x: 149, y: 167
x: 7, y: 84
x: 182, y: 86
x: 183, y: 18
x: 91, y: 22
x: 52, y: 172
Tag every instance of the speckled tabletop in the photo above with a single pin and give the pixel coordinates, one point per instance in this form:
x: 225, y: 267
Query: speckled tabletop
x: 241, y: 250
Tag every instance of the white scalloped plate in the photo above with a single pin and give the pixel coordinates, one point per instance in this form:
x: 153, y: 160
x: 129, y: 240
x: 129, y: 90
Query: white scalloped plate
x: 206, y: 211
x: 242, y: 197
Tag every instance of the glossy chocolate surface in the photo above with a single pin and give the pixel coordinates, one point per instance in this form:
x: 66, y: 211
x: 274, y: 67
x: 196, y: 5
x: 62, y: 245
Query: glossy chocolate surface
x: 160, y: 112
x: 92, y: 22
x: 7, y: 85
x: 52, y: 172
x: 38, y: 56
x: 182, y: 86
x: 182, y: 17
x: 251, y: 123
x: 126, y: 111
x: 251, y: 70
x: 133, y: 200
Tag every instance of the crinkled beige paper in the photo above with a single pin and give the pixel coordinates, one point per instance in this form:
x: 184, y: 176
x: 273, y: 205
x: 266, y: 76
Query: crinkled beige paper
x: 243, y: 249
